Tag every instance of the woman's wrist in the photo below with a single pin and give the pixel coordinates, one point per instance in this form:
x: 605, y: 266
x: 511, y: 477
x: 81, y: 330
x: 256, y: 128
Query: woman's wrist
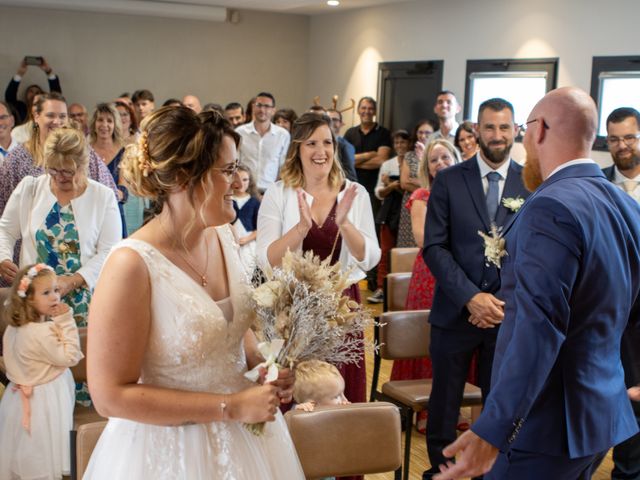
x: 345, y: 224
x: 302, y: 231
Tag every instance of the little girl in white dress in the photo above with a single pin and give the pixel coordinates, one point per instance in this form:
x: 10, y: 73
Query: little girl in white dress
x: 36, y: 410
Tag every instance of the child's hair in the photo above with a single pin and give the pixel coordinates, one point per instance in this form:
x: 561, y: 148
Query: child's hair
x: 309, y: 377
x: 252, y: 189
x: 18, y: 309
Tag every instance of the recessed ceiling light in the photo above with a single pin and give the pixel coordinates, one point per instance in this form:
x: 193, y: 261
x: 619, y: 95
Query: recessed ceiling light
x: 333, y: 3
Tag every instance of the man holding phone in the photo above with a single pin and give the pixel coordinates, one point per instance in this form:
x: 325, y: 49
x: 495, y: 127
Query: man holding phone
x: 22, y: 107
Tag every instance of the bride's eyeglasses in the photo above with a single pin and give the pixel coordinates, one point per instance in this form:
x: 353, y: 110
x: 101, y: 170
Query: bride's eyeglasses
x: 229, y: 171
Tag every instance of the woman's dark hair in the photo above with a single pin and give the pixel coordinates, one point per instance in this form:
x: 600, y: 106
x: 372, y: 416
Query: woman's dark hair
x: 287, y: 114
x: 466, y: 126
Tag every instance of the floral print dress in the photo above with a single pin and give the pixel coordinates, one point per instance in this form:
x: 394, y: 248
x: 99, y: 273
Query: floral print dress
x: 58, y: 246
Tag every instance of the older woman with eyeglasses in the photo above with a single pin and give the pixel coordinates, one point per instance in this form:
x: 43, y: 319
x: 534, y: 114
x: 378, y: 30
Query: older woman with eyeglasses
x: 50, y: 113
x: 64, y: 219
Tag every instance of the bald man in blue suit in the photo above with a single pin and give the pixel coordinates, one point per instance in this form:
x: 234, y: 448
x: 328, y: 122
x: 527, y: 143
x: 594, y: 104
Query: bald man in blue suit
x: 570, y: 283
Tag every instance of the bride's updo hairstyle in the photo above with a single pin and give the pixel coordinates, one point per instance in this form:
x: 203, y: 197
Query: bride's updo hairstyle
x: 176, y: 150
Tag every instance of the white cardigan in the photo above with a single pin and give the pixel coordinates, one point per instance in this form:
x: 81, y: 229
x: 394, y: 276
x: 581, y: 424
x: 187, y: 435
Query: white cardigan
x: 96, y: 217
x: 279, y: 213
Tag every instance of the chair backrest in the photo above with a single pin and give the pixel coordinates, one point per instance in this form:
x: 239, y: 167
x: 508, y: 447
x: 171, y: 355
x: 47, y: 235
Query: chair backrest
x: 80, y: 370
x: 402, y: 259
x: 354, y: 439
x: 86, y: 439
x: 397, y: 288
x: 405, y: 334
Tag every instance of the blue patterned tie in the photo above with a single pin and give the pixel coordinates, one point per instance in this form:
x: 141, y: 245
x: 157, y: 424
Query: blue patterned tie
x: 492, y: 194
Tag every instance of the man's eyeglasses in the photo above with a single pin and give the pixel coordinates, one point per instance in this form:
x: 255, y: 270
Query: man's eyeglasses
x: 523, y: 128
x: 54, y: 172
x: 262, y: 105
x: 229, y: 172
x: 628, y: 140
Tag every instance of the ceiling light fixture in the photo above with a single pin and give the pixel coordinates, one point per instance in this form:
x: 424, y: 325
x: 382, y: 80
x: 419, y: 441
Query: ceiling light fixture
x: 333, y: 3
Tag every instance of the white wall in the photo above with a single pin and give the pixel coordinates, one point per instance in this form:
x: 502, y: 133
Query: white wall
x: 345, y: 48
x: 99, y: 56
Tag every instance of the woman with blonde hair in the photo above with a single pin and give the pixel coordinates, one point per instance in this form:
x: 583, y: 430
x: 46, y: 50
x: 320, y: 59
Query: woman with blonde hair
x: 106, y: 139
x: 64, y: 219
x: 169, y: 336
x: 314, y: 208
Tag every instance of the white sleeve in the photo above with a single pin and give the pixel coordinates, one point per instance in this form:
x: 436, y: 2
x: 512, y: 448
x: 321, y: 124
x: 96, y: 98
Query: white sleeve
x: 11, y: 223
x: 285, y: 149
x: 363, y: 221
x: 110, y: 234
x: 270, y: 224
x: 379, y: 186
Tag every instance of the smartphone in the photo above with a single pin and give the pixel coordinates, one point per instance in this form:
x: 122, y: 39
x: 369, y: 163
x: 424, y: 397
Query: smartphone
x: 393, y: 178
x: 31, y: 60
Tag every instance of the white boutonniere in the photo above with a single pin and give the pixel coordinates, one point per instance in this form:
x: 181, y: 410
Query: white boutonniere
x: 493, y: 245
x: 513, y: 204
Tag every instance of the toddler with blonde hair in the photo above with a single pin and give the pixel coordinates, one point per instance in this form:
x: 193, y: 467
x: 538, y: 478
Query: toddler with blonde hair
x: 318, y: 384
x: 39, y: 345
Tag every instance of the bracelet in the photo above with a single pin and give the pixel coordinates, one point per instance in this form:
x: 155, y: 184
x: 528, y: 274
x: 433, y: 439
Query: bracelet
x: 223, y: 406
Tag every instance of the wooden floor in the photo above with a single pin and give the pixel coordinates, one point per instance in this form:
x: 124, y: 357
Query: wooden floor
x: 419, y: 461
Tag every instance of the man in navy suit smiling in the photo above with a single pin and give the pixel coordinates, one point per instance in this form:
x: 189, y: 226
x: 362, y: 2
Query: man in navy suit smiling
x: 570, y: 283
x: 465, y: 199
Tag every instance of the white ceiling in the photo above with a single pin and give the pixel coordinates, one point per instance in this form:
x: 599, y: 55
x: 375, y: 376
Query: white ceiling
x: 306, y: 7
x: 198, y: 9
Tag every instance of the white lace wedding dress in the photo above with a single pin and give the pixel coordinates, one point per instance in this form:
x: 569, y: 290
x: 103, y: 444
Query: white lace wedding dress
x: 192, y: 346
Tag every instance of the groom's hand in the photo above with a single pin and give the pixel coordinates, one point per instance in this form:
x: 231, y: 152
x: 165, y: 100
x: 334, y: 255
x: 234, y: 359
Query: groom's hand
x: 486, y: 310
x: 475, y: 457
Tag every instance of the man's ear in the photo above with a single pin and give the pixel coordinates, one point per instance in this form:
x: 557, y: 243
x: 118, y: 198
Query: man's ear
x: 541, y: 131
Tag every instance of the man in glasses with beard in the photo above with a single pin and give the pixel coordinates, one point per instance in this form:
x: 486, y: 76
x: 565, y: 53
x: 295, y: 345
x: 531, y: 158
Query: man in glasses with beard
x: 623, y: 140
x: 479, y: 195
x: 571, y: 283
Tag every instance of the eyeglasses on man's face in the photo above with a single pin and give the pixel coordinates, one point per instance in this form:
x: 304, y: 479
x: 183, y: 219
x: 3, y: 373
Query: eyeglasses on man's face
x: 523, y: 127
x: 262, y: 105
x: 628, y: 140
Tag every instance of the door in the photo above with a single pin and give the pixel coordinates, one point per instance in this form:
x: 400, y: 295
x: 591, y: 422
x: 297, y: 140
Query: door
x: 407, y: 92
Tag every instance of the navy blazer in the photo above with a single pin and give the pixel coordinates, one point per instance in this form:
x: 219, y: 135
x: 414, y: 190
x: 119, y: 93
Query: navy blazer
x: 453, y: 250
x: 570, y: 282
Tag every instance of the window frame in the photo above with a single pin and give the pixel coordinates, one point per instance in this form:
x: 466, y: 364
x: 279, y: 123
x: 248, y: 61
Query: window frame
x: 507, y: 66
x: 622, y: 65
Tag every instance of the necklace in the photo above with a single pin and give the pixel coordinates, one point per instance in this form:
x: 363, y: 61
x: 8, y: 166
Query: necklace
x: 203, y: 275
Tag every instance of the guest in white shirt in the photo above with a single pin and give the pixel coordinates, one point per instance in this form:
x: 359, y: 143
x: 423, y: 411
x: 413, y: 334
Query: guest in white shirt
x: 623, y: 139
x: 7, y: 121
x: 446, y: 108
x: 264, y: 145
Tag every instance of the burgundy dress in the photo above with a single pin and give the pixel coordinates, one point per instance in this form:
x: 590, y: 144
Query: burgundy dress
x: 420, y: 297
x: 320, y: 240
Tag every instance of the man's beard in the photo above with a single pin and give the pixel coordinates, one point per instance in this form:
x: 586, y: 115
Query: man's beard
x: 531, y: 176
x: 496, y: 157
x: 626, y: 163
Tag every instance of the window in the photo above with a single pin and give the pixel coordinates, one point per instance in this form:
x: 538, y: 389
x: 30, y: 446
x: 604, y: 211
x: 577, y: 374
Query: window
x: 615, y: 82
x: 520, y: 81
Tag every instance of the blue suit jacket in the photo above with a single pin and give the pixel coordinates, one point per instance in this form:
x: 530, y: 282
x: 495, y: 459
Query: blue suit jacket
x: 453, y: 250
x: 570, y: 282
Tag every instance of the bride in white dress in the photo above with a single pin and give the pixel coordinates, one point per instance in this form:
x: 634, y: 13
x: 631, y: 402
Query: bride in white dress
x: 169, y: 337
